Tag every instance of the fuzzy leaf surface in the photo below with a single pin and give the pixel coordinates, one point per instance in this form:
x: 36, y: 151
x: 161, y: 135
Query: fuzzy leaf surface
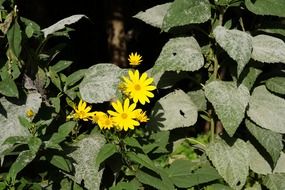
x: 268, y: 49
x: 100, y: 83
x: 276, y: 84
x: 236, y: 43
x: 232, y: 162
x: 267, y: 110
x: 184, y: 12
x: 229, y: 102
x: 274, y: 181
x: 266, y: 7
x: 173, y: 111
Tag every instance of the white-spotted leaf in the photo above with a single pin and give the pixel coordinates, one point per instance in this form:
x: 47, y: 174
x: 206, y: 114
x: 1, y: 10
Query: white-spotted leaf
x: 236, y: 43
x: 173, y: 111
x: 268, y: 49
x: 267, y: 110
x: 184, y: 12
x: 276, y: 84
x: 274, y: 181
x: 229, y: 102
x: 154, y: 16
x: 101, y: 82
x: 179, y: 54
x: 232, y: 162
x: 266, y: 7
x: 280, y: 166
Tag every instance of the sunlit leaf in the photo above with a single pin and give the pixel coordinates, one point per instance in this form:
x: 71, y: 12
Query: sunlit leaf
x: 276, y: 84
x: 274, y: 181
x: 266, y: 7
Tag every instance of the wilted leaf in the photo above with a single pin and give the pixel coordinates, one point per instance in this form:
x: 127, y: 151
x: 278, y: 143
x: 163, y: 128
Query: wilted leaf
x: 267, y: 110
x: 236, y: 43
x: 154, y: 16
x: 173, y: 111
x: 101, y: 83
x: 229, y: 102
x: 232, y: 162
x: 183, y: 12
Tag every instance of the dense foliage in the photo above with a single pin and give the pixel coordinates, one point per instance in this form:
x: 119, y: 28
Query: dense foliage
x: 209, y: 113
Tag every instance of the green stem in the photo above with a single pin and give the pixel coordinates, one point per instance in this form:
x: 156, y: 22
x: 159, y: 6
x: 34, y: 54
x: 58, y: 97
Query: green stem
x: 194, y: 141
x: 212, y: 127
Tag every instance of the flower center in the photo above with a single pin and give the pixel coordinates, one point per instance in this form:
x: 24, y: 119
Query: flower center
x: 137, y: 87
x: 124, y: 115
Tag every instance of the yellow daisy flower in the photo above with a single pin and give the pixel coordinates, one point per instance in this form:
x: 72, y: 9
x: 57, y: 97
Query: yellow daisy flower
x: 135, y: 59
x: 96, y: 116
x: 105, y: 122
x: 125, y: 115
x: 141, y: 116
x: 82, y: 111
x: 138, y: 88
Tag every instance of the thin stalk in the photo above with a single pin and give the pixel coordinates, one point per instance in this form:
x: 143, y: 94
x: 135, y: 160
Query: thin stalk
x: 212, y: 128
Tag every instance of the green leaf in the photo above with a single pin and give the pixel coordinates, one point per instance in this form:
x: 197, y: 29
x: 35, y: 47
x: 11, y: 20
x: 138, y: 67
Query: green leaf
x: 276, y: 84
x: 134, y: 184
x: 267, y: 110
x: 153, y: 181
x: 133, y: 142
x: 229, y: 102
x: 154, y: 16
x: 251, y: 77
x: 236, y: 43
x: 266, y: 7
x: 268, y: 49
x: 257, y: 162
x: 9, y: 124
x: 179, y: 54
x: 31, y: 27
x: 85, y: 159
x: 271, y: 141
x: 56, y: 103
x: 62, y: 24
x: 143, y: 160
x: 55, y: 78
x: 61, y: 163
x: 218, y: 186
x: 14, y: 37
x: 198, y: 97
x: 105, y: 152
x: 280, y: 167
x: 100, y: 83
x: 9, y: 88
x: 63, y: 132
x: 173, y: 111
x: 74, y: 78
x: 232, y: 162
x: 34, y: 144
x: 274, y: 181
x: 24, y: 158
x: 61, y: 65
x: 184, y: 12
x: 25, y: 122
x: 160, y: 140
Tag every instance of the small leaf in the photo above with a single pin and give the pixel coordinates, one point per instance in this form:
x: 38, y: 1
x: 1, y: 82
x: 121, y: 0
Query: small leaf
x: 257, y: 163
x: 61, y: 163
x: 274, y: 181
x: 34, y: 144
x: 236, y: 43
x: 14, y: 37
x: 154, y: 16
x: 184, y: 12
x: 9, y: 88
x: 268, y: 49
x: 62, y: 24
x: 276, y: 84
x: 142, y: 159
x: 63, y: 132
x: 266, y: 7
x: 105, y: 152
x: 56, y: 103
x: 61, y: 65
x: 24, y: 158
x: 74, y: 78
x: 173, y: 111
x: 232, y: 162
x: 100, y: 83
x: 179, y: 54
x: 271, y: 141
x: 267, y: 110
x: 55, y: 78
x: 251, y: 77
x: 133, y: 142
x: 229, y: 102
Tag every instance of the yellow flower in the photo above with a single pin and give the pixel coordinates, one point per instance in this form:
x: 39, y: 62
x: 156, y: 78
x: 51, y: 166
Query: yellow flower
x: 30, y: 113
x: 141, y: 116
x: 125, y: 115
x: 82, y: 111
x: 135, y: 59
x: 96, y: 116
x: 105, y: 122
x: 138, y: 88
